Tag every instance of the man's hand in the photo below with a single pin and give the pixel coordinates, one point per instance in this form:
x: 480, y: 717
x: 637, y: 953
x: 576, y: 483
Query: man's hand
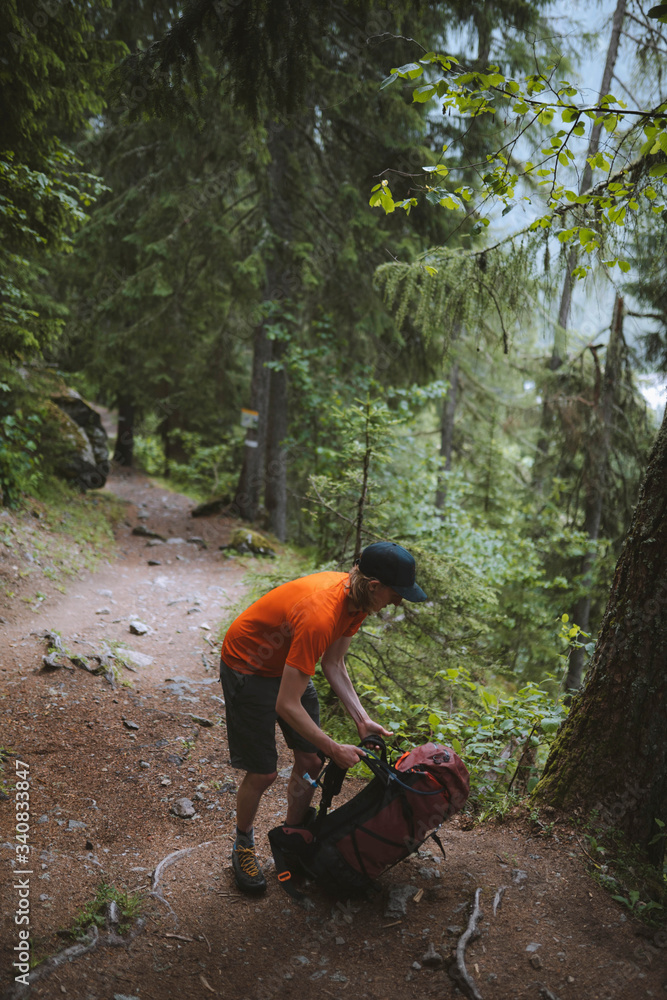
x: 345, y: 755
x: 370, y: 728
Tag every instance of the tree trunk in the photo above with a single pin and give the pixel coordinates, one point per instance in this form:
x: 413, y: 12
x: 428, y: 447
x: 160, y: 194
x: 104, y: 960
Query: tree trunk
x: 124, y: 449
x: 261, y: 455
x: 276, y: 456
x: 596, y: 475
x: 560, y: 338
x: 611, y: 753
x: 249, y: 489
x: 447, y: 434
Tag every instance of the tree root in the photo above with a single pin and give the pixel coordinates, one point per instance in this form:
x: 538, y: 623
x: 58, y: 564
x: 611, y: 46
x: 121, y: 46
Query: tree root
x: 51, y: 964
x: 498, y: 898
x: 155, y: 879
x: 458, y: 971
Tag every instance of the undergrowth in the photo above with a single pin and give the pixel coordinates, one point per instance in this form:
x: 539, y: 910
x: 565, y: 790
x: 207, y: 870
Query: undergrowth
x: 95, y: 912
x: 622, y: 870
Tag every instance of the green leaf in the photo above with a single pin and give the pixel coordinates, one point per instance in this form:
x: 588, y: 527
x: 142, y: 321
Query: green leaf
x: 423, y: 94
x: 410, y: 71
x: 624, y: 266
x: 659, y: 12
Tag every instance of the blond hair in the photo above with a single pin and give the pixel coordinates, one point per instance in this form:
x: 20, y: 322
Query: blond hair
x: 359, y: 591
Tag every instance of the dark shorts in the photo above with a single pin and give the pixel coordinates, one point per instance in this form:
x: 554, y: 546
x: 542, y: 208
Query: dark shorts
x: 250, y: 707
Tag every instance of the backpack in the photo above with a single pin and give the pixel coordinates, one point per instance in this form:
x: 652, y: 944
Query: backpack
x: 348, y: 849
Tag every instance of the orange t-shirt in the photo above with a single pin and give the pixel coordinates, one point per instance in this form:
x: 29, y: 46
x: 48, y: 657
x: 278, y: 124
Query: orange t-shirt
x: 294, y: 624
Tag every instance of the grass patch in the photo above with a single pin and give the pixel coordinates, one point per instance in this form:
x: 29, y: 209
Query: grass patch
x: 621, y: 869
x: 95, y: 913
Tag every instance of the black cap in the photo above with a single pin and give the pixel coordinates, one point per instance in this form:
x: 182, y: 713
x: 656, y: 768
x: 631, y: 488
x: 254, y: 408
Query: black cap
x: 393, y: 566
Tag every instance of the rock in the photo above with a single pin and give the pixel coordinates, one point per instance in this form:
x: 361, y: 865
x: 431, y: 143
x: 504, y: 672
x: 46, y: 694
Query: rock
x: 75, y: 824
x: 183, y: 808
x: 431, y: 958
x: 145, y: 532
x: 202, y: 721
x: 124, y: 996
x: 198, y: 797
x: 105, y: 593
x: 103, y: 611
x: 144, y: 763
x: 175, y: 541
x: 164, y: 780
x: 196, y: 540
x: 74, y: 439
x: 139, y: 628
x: 130, y: 725
x: 536, y: 961
x: 243, y: 540
x: 153, y: 542
x: 519, y: 876
x: 113, y: 913
x: 398, y: 900
x: 216, y: 506
x: 137, y: 659
x: 51, y: 662
x: 533, y: 946
x: 154, y: 562
x: 173, y: 758
x: 416, y: 966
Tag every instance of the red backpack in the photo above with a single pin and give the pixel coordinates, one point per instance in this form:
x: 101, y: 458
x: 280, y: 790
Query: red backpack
x: 386, y: 821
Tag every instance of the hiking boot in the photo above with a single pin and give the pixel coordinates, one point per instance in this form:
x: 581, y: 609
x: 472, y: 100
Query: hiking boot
x: 248, y: 874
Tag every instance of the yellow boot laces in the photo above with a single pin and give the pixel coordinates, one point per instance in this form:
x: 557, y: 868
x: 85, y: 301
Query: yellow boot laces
x: 246, y: 856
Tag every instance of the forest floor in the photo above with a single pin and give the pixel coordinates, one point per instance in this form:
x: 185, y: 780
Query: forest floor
x: 106, y: 764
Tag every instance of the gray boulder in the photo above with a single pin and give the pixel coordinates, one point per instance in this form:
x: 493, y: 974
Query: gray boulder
x: 85, y: 457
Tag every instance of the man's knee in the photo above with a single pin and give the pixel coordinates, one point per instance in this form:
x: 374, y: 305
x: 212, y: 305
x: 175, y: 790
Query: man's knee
x: 260, y: 782
x: 307, y: 763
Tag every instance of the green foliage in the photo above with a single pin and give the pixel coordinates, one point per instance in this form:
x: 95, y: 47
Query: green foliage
x: 621, y: 869
x: 502, y: 736
x: 94, y: 913
x: 19, y: 466
x: 54, y: 66
x: 537, y: 100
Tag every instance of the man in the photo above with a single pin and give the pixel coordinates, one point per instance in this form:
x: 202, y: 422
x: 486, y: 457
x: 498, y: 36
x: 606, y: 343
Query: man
x: 268, y: 658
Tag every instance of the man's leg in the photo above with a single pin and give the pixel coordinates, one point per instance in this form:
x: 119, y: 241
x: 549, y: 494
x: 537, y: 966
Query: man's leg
x: 299, y: 791
x: 251, y: 721
x: 248, y: 796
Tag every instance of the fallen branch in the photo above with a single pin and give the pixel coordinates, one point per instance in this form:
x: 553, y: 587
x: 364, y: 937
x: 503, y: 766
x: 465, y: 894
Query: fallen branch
x: 458, y: 971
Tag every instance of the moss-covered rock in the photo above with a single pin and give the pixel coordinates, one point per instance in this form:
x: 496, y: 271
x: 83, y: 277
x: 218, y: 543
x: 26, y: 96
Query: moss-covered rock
x: 245, y: 540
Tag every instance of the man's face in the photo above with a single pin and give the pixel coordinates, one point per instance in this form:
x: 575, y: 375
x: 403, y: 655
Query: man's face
x: 383, y: 595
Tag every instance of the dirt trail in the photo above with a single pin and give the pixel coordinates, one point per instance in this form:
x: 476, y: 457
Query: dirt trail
x: 106, y: 765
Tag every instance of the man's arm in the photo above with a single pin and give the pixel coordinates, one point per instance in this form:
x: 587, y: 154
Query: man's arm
x: 335, y: 671
x: 289, y: 708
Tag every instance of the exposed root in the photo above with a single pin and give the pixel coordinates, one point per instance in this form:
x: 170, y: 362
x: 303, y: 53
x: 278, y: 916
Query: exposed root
x: 458, y: 971
x: 169, y: 860
x: 497, y: 899
x: 19, y: 990
x: 155, y: 880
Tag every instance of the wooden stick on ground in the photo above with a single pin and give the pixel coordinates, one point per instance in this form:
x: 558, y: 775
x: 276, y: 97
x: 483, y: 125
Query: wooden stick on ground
x: 461, y: 973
